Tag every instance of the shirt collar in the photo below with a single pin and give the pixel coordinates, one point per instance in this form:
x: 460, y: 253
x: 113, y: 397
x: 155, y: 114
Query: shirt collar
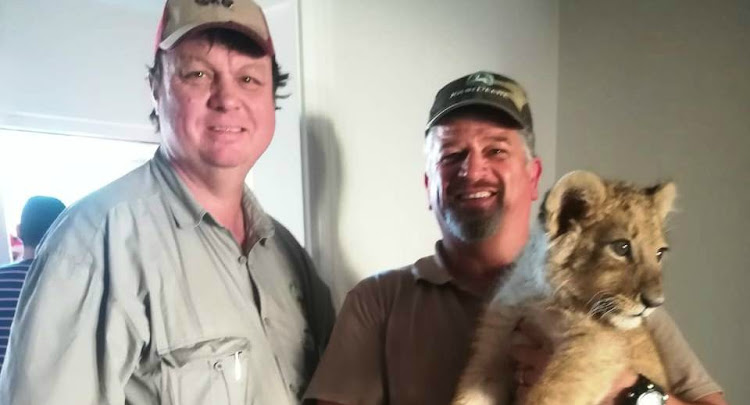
x: 257, y: 222
x: 188, y: 213
x: 434, y: 270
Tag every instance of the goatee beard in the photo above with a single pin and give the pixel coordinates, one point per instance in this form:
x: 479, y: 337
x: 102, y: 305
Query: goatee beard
x: 472, y: 226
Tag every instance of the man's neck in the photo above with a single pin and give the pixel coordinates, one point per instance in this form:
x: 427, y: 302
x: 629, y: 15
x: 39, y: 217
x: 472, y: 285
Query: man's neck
x: 29, y: 252
x: 480, y: 264
x: 220, y: 193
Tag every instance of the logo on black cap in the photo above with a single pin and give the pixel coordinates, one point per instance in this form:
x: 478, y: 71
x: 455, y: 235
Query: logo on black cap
x: 481, y: 78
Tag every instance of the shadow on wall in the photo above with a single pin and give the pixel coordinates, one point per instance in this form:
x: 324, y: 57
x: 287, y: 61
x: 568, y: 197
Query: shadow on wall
x: 325, y: 179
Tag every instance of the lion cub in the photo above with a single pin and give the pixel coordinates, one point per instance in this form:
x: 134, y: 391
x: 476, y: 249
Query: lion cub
x: 594, y: 260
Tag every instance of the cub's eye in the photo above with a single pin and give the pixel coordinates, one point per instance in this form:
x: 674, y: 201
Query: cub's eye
x: 621, y: 247
x: 660, y: 253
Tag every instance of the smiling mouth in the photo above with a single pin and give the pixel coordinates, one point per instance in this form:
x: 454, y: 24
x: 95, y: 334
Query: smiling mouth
x: 475, y: 196
x: 226, y: 129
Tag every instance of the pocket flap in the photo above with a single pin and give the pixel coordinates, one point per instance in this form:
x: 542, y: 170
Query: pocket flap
x: 205, y: 350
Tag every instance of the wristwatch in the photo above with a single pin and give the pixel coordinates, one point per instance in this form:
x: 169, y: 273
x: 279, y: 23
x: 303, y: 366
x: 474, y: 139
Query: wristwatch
x: 645, y: 392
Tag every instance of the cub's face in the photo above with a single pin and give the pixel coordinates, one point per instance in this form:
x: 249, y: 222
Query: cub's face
x: 607, y: 245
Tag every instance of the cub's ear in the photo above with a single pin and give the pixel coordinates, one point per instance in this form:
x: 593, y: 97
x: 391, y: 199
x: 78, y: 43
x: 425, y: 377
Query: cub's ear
x: 663, y: 196
x: 571, y: 200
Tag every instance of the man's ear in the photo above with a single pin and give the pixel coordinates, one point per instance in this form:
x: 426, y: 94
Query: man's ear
x: 571, y: 200
x: 535, y: 173
x: 18, y: 232
x: 154, y: 87
x: 427, y: 188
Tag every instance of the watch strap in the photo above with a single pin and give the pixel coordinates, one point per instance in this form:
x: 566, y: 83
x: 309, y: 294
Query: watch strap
x: 642, y: 386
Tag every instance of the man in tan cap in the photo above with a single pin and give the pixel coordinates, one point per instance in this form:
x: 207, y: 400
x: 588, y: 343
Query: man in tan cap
x: 171, y: 285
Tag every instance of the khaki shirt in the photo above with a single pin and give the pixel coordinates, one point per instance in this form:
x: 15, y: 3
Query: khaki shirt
x: 139, y: 296
x: 403, y: 337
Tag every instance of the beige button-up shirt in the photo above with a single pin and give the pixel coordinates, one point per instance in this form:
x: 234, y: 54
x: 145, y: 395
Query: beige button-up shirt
x: 139, y: 296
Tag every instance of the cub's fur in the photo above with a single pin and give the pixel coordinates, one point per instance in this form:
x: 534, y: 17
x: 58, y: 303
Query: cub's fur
x: 594, y: 260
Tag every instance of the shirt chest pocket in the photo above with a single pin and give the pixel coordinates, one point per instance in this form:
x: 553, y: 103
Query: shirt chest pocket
x: 212, y: 372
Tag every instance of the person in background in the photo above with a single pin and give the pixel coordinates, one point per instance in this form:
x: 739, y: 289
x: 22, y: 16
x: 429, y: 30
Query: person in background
x: 16, y: 248
x: 37, y: 216
x: 172, y: 285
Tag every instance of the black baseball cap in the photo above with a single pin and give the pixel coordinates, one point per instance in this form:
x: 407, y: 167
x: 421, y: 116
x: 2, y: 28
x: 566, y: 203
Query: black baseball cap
x: 483, y: 89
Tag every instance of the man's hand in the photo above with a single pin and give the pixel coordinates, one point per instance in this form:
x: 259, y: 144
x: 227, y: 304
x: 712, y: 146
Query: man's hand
x: 531, y: 350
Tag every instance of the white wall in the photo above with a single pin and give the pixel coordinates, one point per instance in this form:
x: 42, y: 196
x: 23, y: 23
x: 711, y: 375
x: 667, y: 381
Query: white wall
x: 78, y: 67
x: 277, y: 178
x: 654, y: 90
x: 371, y: 69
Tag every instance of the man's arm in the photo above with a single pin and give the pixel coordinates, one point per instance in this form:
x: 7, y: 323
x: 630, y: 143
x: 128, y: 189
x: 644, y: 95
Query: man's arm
x: 351, y: 370
x: 628, y: 378
x: 532, y: 357
x: 70, y: 343
x: 716, y: 398
x: 317, y: 296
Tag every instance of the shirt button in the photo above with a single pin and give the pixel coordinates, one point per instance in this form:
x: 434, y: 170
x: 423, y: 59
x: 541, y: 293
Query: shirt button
x: 242, y: 259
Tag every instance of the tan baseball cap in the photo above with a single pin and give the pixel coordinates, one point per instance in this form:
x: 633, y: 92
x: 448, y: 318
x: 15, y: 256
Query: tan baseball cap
x: 182, y: 17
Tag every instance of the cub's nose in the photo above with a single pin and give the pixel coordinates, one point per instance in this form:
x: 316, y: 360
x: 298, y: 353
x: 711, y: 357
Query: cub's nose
x: 652, y: 301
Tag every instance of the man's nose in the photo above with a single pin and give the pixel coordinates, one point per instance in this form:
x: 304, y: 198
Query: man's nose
x: 223, y: 95
x: 472, y: 166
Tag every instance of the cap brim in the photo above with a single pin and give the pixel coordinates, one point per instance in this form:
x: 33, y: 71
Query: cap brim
x: 172, y: 40
x: 465, y: 103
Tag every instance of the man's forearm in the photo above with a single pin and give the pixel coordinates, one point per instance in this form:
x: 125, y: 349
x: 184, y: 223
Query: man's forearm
x: 626, y: 380
x: 710, y: 399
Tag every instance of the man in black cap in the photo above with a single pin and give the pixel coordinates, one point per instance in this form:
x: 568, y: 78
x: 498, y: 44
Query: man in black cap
x: 403, y: 336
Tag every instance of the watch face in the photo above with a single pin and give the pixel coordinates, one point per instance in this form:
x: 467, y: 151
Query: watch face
x: 650, y: 398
